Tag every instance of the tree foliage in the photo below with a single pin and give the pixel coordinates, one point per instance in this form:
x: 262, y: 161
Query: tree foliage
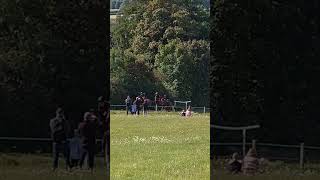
x: 170, y: 40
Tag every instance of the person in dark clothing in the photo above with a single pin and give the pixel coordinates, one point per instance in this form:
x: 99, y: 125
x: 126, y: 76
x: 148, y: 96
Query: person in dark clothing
x: 103, y: 114
x: 88, y: 135
x: 234, y: 165
x: 59, y: 131
x: 138, y: 104
x: 128, y: 104
x: 145, y: 105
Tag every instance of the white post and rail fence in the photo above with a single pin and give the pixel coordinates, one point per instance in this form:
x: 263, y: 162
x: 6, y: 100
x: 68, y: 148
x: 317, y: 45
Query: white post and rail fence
x: 301, y: 147
x: 198, y: 109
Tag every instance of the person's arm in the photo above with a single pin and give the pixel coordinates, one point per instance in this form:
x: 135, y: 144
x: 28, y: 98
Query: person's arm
x: 51, y: 125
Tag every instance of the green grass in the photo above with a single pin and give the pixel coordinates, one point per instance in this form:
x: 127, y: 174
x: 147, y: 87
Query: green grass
x: 273, y: 171
x: 159, y: 146
x: 38, y: 167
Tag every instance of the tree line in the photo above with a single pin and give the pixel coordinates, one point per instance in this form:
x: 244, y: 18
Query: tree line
x: 161, y: 46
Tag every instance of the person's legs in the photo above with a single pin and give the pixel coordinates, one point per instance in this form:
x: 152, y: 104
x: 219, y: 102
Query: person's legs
x: 76, y: 162
x: 72, y: 163
x: 91, y: 156
x: 104, y: 143
x: 83, y: 157
x: 66, y: 154
x: 127, y: 108
x: 55, y: 152
x: 146, y: 110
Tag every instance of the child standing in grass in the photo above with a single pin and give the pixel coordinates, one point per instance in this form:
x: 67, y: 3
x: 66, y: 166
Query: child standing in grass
x: 75, y: 149
x: 134, y: 107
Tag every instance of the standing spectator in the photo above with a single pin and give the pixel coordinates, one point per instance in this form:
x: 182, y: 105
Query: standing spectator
x: 103, y: 113
x: 106, y: 136
x: 59, y: 131
x: 145, y: 105
x: 88, y: 133
x: 138, y: 104
x: 134, y: 107
x: 156, y: 99
x: 128, y: 104
x: 75, y: 149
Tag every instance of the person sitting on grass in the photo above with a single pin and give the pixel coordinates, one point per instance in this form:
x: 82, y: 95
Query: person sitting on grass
x: 188, y: 112
x: 183, y: 113
x: 234, y: 164
x: 75, y: 149
x: 250, y: 162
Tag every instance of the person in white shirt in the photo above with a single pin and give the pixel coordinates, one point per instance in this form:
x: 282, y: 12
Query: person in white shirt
x: 188, y: 112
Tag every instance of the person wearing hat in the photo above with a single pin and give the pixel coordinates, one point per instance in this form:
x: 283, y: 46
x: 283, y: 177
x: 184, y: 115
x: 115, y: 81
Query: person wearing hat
x: 59, y: 132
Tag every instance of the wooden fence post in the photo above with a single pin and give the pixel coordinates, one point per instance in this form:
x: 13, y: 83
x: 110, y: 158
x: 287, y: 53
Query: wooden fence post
x: 301, y: 155
x: 204, y: 109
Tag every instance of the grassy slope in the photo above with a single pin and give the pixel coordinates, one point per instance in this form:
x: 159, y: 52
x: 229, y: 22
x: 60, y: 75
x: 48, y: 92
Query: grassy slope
x: 159, y: 146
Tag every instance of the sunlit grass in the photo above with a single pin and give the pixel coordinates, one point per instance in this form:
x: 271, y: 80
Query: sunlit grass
x: 159, y: 146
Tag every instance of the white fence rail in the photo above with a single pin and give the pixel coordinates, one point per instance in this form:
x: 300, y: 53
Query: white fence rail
x: 159, y: 108
x: 301, y: 148
x: 31, y: 139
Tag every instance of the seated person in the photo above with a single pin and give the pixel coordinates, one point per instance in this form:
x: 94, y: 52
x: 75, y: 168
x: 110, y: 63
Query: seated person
x: 250, y: 162
x: 188, y: 112
x: 234, y: 165
x: 183, y: 113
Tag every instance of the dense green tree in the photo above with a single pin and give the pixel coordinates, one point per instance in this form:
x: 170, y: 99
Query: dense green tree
x: 170, y: 40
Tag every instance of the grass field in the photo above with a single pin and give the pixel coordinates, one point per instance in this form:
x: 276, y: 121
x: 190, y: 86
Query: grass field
x: 273, y: 171
x: 159, y: 146
x: 38, y: 167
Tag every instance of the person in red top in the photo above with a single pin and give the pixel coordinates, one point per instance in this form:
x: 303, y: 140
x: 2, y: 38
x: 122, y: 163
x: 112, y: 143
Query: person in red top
x: 87, y: 130
x: 103, y: 117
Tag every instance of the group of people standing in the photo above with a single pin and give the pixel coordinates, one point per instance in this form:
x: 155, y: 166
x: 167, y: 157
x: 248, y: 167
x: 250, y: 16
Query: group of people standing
x: 78, y: 144
x: 141, y: 102
x: 134, y: 105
